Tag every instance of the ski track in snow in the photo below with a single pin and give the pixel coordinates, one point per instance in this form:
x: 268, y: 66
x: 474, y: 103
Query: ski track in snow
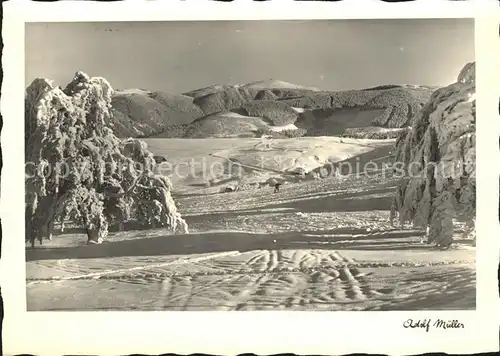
x: 274, y: 279
x: 284, y: 258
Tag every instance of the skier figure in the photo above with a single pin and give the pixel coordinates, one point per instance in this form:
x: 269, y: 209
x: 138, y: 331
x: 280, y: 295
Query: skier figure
x: 277, y: 187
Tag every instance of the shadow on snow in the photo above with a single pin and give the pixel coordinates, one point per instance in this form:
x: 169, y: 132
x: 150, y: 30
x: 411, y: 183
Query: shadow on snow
x: 212, y: 242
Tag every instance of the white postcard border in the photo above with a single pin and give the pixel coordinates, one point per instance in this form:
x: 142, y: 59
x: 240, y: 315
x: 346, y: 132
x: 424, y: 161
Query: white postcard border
x: 230, y: 333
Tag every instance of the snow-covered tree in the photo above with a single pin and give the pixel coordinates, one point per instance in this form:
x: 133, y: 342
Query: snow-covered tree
x: 439, y: 160
x: 77, y: 167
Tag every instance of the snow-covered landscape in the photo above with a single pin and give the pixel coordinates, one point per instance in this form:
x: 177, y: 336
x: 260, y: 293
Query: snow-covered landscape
x: 319, y: 245
x: 261, y: 196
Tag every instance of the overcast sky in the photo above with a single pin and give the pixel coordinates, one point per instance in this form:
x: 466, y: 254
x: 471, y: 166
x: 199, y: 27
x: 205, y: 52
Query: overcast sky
x: 179, y: 56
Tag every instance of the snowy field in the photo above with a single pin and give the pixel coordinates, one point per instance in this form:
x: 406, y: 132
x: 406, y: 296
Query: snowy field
x: 316, y: 245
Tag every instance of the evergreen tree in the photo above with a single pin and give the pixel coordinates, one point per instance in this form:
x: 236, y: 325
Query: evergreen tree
x: 439, y: 160
x: 77, y: 168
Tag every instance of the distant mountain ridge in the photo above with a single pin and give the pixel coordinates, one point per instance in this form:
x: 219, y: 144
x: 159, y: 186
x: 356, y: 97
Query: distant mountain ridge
x: 248, y: 109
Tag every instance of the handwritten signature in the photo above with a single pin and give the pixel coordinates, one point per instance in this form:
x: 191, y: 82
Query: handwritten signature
x: 437, y: 324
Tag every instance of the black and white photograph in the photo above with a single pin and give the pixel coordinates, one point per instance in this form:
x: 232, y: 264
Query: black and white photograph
x: 250, y: 165
x: 188, y: 180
